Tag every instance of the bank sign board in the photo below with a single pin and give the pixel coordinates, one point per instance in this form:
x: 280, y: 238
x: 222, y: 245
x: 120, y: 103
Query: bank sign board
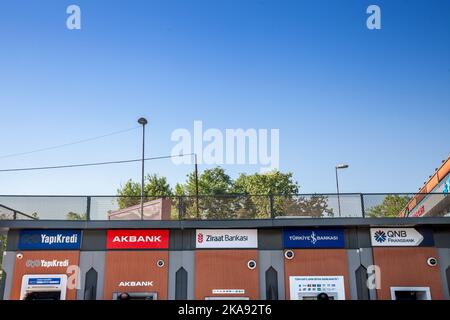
x: 313, y: 238
x: 50, y: 239
x: 399, y: 237
x: 226, y: 238
x: 137, y: 239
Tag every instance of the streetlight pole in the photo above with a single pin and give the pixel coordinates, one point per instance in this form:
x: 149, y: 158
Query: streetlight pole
x: 341, y: 166
x: 196, y: 186
x: 143, y: 122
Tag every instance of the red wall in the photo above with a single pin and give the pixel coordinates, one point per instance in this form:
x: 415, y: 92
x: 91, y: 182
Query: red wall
x: 407, y: 267
x: 225, y: 269
x: 21, y: 269
x: 317, y: 262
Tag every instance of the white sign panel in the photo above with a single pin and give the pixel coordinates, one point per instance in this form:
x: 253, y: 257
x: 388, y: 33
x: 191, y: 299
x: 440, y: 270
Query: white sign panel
x: 226, y: 238
x: 228, y: 291
x: 395, y: 237
x: 308, y: 288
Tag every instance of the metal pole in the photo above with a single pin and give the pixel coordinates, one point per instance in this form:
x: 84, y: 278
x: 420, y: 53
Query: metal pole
x: 196, y: 186
x: 88, y: 208
x: 337, y: 187
x: 143, y: 122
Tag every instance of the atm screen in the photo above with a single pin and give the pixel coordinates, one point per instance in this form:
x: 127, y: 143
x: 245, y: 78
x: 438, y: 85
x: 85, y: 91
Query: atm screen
x: 43, y: 295
x: 135, y: 296
x: 314, y: 297
x: 410, y: 293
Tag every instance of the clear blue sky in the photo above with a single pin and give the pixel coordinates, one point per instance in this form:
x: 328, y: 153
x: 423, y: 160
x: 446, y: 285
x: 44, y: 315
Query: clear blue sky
x: 338, y: 92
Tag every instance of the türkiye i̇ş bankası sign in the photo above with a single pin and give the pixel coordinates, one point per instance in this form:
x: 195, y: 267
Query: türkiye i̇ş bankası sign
x: 226, y: 238
x: 313, y: 238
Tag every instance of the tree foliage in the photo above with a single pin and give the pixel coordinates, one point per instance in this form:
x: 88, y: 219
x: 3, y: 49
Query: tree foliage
x: 2, y: 249
x: 257, y: 195
x: 391, y: 206
x: 154, y: 187
x: 76, y: 216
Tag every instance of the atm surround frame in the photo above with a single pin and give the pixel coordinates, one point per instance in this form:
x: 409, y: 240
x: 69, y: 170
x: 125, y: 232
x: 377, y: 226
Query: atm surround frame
x: 427, y: 291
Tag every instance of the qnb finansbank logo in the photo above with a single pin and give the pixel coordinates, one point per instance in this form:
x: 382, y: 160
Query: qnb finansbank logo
x: 380, y: 236
x: 232, y: 147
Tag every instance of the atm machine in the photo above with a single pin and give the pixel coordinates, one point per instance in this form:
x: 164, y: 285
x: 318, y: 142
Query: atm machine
x: 44, y: 287
x: 410, y: 293
x: 135, y: 296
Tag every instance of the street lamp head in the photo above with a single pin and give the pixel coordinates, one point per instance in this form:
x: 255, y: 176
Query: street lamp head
x: 142, y: 121
x: 342, y: 166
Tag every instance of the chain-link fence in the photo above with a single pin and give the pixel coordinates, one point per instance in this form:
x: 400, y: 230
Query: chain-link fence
x: 222, y: 207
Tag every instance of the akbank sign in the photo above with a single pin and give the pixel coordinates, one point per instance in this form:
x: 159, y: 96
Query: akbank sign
x: 398, y: 237
x: 50, y: 239
x: 313, y: 238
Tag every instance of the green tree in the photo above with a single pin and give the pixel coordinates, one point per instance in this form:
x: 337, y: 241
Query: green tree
x: 247, y: 197
x: 2, y: 249
x: 154, y: 187
x: 214, y: 186
x: 76, y: 216
x: 391, y: 206
x: 311, y: 206
x: 257, y: 188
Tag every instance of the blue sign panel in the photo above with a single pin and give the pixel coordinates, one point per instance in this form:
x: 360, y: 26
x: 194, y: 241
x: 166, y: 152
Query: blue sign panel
x: 50, y: 239
x: 44, y: 281
x: 313, y: 238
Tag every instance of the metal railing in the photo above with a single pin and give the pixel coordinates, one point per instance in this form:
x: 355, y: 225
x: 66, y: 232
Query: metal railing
x: 232, y: 206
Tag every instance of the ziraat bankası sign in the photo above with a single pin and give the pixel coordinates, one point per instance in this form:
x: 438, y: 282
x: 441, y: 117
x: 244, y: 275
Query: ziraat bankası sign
x: 226, y: 238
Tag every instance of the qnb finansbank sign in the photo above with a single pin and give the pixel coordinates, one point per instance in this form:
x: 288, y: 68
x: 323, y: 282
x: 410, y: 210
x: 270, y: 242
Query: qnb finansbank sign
x: 399, y: 237
x: 226, y: 238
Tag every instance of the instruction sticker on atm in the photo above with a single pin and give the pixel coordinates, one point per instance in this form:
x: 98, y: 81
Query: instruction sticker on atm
x: 43, y: 281
x: 309, y: 287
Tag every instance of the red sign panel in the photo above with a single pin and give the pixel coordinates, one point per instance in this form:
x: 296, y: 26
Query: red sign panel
x: 137, y: 239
